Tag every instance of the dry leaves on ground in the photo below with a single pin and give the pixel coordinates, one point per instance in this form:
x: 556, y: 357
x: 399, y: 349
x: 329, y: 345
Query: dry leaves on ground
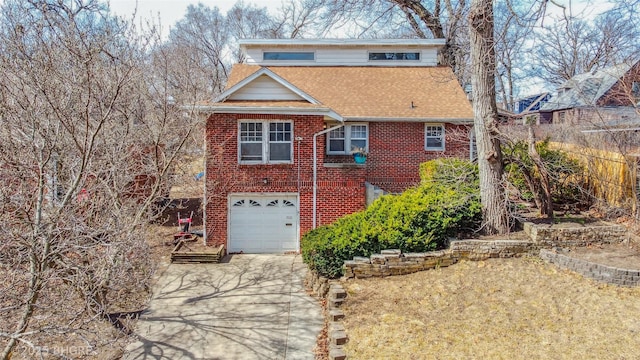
x: 496, y: 309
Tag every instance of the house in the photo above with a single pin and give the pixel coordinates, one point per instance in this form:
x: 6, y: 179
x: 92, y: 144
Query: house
x: 280, y: 138
x: 531, y: 103
x: 596, y: 97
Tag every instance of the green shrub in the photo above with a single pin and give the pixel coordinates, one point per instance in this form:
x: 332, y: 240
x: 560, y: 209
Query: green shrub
x: 420, y: 219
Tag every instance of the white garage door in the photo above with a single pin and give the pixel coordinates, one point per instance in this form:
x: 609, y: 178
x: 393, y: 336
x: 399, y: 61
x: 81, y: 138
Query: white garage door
x: 263, y: 224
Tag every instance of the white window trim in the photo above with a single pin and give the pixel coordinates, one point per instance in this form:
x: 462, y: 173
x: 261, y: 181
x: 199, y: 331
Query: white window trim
x: 347, y: 140
x: 444, y: 137
x: 265, y: 143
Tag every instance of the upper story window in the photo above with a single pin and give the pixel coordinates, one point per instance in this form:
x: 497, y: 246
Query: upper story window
x: 394, y: 56
x: 434, y: 137
x: 347, y: 139
x: 288, y: 55
x: 265, y: 142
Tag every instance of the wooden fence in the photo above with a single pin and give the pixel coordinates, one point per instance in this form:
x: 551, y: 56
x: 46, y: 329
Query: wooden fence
x: 612, y: 177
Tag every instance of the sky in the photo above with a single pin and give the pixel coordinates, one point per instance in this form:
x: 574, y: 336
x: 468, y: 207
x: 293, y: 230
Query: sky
x: 170, y: 11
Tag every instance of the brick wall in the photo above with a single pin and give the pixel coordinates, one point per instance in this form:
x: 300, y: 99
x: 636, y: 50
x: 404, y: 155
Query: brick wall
x: 340, y: 190
x: 396, y: 150
x: 395, y: 153
x: 621, y: 93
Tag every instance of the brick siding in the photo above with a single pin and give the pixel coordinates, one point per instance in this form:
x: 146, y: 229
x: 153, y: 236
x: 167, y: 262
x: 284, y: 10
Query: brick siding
x: 396, y: 151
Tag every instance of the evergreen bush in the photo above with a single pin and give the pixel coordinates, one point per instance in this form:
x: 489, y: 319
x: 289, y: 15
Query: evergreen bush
x: 445, y: 204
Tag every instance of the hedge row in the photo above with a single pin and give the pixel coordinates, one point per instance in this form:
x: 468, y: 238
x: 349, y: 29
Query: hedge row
x: 444, y: 205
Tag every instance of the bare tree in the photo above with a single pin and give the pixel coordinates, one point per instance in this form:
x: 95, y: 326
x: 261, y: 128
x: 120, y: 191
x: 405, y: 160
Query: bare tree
x: 202, y: 36
x: 302, y: 18
x: 88, y: 136
x: 444, y: 19
x: 514, y: 26
x: 492, y: 194
x: 249, y: 22
x: 573, y: 46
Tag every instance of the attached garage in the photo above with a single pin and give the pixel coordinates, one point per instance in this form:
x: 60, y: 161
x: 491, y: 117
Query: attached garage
x: 261, y: 223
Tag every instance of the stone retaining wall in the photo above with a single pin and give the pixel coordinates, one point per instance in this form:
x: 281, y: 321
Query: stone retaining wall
x: 486, y: 249
x: 574, y: 234
x: 394, y: 262
x: 603, y: 273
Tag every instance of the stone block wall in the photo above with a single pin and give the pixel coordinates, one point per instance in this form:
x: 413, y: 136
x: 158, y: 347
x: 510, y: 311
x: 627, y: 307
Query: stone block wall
x: 486, y: 249
x: 574, y: 235
x: 599, y: 272
x: 394, y: 262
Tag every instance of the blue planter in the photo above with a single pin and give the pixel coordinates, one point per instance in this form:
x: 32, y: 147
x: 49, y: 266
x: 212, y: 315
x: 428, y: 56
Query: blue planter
x: 360, y: 158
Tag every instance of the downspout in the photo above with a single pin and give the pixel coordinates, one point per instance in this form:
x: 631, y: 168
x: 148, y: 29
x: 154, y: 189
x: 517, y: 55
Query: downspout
x: 315, y: 168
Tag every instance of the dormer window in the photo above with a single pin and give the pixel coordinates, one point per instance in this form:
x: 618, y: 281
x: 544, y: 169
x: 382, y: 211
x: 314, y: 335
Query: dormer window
x: 394, y: 56
x: 288, y: 55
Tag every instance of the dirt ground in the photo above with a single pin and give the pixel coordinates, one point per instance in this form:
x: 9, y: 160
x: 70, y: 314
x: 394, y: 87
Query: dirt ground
x: 518, y: 308
x: 625, y: 256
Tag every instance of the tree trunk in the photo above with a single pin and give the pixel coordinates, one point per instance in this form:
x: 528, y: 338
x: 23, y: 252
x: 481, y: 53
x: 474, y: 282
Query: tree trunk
x: 492, y: 192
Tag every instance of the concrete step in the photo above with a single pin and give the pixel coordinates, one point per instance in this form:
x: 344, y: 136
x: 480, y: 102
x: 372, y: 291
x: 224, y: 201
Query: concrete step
x: 336, y: 353
x: 336, y: 326
x: 338, y: 338
x: 334, y: 303
x: 335, y: 315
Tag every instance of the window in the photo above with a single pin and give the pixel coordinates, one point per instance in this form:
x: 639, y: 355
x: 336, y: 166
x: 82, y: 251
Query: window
x: 265, y: 142
x: 434, y: 137
x: 473, y: 145
x: 561, y: 117
x: 345, y: 140
x: 394, y: 56
x: 289, y: 55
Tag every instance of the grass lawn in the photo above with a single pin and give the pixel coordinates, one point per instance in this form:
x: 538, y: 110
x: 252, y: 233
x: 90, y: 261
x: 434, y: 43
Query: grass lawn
x: 497, y: 309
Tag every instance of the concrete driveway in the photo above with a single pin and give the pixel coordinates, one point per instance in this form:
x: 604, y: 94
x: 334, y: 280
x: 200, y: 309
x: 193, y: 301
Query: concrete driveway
x: 253, y: 307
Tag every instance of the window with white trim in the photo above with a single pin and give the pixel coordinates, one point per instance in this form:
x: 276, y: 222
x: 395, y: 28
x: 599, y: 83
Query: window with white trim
x: 434, y: 137
x: 265, y: 142
x: 347, y: 139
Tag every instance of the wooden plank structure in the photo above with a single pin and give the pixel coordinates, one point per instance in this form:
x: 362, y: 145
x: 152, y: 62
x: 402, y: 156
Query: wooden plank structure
x: 613, y: 177
x: 181, y: 255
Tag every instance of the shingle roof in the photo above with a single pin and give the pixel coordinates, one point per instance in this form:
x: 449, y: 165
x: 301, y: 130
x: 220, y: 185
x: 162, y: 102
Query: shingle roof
x: 585, y: 89
x: 375, y: 92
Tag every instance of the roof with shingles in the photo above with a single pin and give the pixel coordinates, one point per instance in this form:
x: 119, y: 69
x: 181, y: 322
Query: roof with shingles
x: 374, y: 92
x: 585, y: 89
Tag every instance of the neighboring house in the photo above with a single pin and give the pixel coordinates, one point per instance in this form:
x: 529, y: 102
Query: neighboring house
x: 526, y: 110
x: 280, y: 138
x: 595, y: 98
x: 531, y: 103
